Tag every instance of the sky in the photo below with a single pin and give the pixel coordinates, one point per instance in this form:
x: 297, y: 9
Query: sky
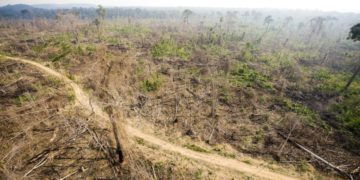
x: 324, y: 5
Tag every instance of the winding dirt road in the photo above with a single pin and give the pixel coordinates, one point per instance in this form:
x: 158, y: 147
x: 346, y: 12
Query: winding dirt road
x: 83, y: 99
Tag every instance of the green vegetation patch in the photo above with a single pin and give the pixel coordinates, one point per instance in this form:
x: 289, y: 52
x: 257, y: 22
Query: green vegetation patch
x: 328, y: 81
x: 195, y: 148
x: 152, y: 83
x: 297, y: 108
x: 39, y: 48
x: 167, y: 48
x: 246, y: 161
x: 198, y: 174
x: 25, y: 97
x: 243, y: 76
x: 217, y: 50
x: 53, y: 81
x: 140, y: 141
x: 133, y: 30
x: 62, y: 44
x: 222, y: 152
x: 70, y: 96
x: 224, y: 94
x: 303, y: 166
x: 348, y: 113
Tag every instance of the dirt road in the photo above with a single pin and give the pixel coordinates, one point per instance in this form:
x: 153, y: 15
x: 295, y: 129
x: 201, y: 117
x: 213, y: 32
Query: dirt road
x: 83, y: 99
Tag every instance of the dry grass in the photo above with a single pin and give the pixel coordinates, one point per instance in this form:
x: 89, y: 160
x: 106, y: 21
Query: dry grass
x: 44, y: 136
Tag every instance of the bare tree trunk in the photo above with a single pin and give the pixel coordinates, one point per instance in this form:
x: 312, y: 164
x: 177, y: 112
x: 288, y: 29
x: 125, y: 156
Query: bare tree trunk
x: 213, y: 107
x: 213, y: 93
x: 325, y: 57
x: 286, y: 139
x: 357, y: 71
x: 213, y: 99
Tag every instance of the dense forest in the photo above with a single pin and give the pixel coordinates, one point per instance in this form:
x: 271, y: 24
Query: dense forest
x: 279, y: 87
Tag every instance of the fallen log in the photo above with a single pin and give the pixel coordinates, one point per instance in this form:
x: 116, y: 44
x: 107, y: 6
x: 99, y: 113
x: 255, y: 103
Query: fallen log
x: 316, y: 156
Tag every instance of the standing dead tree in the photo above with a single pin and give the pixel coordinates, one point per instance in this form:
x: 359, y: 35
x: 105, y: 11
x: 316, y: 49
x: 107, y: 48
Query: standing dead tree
x: 186, y: 14
x: 355, y: 36
x: 213, y: 104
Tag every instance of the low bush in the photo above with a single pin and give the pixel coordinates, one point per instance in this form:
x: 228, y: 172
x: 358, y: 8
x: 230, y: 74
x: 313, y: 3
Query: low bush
x: 243, y: 76
x: 309, y: 115
x: 168, y: 48
x: 348, y: 113
x: 153, y: 83
x: 195, y: 148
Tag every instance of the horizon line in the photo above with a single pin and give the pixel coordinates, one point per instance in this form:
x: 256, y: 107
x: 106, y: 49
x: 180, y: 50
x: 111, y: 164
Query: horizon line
x: 205, y: 7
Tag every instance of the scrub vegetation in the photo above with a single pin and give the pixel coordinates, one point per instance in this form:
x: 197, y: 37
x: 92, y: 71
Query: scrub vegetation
x: 254, y: 81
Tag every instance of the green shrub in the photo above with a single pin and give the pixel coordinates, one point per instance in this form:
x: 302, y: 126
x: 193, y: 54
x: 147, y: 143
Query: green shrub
x: 70, y: 76
x: 26, y: 97
x: 182, y: 53
x: 196, y: 148
x: 133, y: 30
x: 348, y: 113
x: 243, y: 76
x: 168, y: 48
x: 246, y: 161
x: 217, y: 50
x: 163, y: 48
x: 53, y: 81
x: 153, y: 83
x: 224, y: 95
x: 222, y: 152
x: 70, y: 96
x: 80, y: 51
x: 245, y: 55
x: 266, y: 59
x: 39, y: 48
x: 159, y: 166
x: 303, y: 166
x: 57, y: 57
x: 198, y: 174
x: 90, y: 48
x: 112, y: 40
x: 322, y: 75
x: 60, y: 38
x: 140, y: 141
x: 328, y: 82
x: 297, y: 108
x: 63, y: 46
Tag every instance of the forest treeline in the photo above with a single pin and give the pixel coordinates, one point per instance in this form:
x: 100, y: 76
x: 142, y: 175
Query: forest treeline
x: 23, y: 11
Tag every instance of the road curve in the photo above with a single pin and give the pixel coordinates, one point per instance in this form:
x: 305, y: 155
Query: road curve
x: 83, y: 99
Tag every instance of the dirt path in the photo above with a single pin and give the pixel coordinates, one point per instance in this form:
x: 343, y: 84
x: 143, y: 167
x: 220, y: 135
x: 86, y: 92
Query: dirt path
x: 83, y: 99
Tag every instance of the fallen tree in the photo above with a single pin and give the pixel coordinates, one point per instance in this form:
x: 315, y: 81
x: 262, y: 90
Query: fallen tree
x: 288, y: 139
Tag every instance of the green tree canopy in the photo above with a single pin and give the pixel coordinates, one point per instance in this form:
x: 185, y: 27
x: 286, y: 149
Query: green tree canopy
x: 101, y: 12
x: 355, y: 32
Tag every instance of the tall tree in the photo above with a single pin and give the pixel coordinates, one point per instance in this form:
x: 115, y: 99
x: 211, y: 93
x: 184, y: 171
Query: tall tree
x: 186, y: 14
x: 354, y: 35
x: 230, y: 19
x: 101, y: 12
x: 25, y: 14
x: 268, y: 20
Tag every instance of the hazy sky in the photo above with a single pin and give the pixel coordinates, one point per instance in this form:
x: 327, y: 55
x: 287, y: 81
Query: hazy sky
x: 326, y: 5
